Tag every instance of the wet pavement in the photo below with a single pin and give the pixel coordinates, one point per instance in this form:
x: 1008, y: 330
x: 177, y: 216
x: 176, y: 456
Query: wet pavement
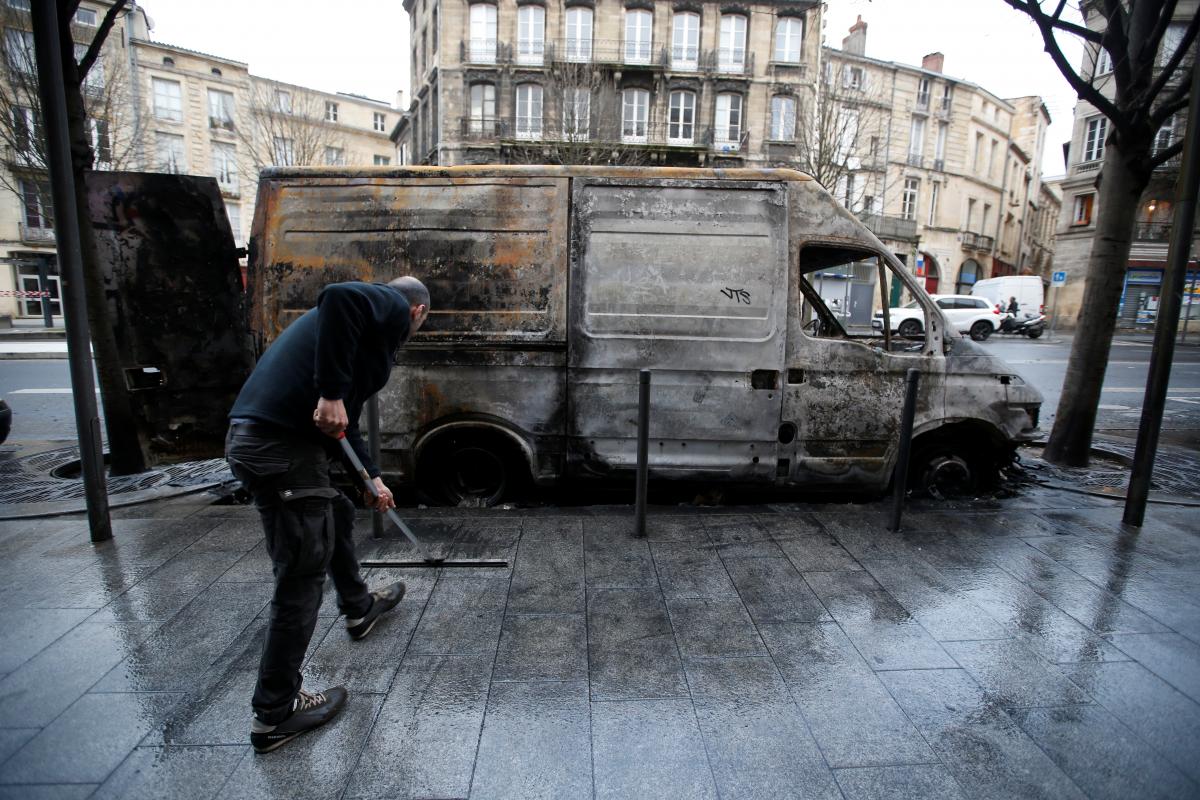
x: 1021, y: 648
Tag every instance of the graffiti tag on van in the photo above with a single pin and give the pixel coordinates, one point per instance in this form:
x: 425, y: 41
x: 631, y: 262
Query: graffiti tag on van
x: 740, y: 295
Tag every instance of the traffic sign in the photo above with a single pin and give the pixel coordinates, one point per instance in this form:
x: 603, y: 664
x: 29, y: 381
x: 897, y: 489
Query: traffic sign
x: 1059, y: 278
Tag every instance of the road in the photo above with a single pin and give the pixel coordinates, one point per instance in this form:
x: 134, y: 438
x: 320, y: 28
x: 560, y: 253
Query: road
x: 39, y: 394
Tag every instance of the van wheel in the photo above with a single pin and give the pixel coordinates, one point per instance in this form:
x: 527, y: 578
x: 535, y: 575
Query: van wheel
x: 471, y: 468
x: 946, y: 470
x: 909, y: 329
x: 981, y: 331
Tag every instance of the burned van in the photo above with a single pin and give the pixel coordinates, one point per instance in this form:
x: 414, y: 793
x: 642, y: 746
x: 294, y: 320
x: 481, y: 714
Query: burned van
x: 553, y: 286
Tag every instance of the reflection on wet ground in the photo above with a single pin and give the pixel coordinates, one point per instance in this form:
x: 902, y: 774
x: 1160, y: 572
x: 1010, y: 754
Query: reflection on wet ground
x: 1023, y: 648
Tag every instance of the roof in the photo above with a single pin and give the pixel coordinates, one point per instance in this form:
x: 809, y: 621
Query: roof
x: 178, y: 49
x: 919, y: 70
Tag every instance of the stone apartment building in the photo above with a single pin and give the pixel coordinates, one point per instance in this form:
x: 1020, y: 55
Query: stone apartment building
x: 168, y: 109
x: 945, y: 172
x: 689, y: 83
x: 1076, y: 223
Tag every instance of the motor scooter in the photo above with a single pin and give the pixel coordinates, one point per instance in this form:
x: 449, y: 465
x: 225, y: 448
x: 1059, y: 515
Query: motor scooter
x: 1031, y: 326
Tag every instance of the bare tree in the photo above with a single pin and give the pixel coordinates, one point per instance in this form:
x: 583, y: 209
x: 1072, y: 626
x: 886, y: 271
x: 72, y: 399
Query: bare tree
x: 290, y: 126
x: 1148, y: 86
x: 839, y: 142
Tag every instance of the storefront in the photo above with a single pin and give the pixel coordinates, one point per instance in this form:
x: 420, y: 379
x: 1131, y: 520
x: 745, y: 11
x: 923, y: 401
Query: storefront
x: 968, y: 274
x: 1140, y: 297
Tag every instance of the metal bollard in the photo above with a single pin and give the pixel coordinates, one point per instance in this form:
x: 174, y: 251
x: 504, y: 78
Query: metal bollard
x: 643, y: 453
x: 912, y: 380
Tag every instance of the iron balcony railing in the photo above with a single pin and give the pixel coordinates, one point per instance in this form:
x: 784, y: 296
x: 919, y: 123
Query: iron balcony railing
x: 943, y: 108
x: 976, y: 241
x: 1152, y: 231
x: 916, y: 160
x: 890, y: 227
x: 550, y: 128
x: 485, y: 51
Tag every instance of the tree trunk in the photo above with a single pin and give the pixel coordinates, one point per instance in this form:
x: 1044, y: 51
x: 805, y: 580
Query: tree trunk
x: 1117, y: 205
x: 126, y: 455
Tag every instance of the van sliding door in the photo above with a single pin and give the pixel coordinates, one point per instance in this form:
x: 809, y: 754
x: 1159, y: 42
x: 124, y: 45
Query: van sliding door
x: 687, y: 279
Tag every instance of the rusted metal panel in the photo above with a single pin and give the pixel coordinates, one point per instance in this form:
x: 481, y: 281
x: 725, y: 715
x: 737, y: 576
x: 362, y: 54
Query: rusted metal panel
x: 175, y: 290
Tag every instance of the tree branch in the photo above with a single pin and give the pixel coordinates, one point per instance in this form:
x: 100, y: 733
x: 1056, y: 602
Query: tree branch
x: 1116, y: 41
x: 1167, y: 153
x: 1171, y: 107
x: 93, y: 51
x: 1055, y: 19
x: 1168, y: 71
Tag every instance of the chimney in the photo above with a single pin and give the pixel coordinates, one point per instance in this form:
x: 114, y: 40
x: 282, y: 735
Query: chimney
x: 933, y: 62
x: 856, y: 42
x: 399, y: 100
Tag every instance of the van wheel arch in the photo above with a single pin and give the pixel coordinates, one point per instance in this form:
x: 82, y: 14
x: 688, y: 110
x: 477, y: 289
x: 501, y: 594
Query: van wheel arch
x: 957, y: 459
x: 473, y: 463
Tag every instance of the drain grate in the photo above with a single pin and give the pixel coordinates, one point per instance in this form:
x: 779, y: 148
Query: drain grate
x: 28, y: 479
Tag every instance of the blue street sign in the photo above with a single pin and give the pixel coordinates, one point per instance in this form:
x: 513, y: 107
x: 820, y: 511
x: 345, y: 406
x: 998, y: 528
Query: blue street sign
x: 1059, y: 278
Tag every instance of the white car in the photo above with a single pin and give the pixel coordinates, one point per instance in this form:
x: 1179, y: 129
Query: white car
x: 974, y: 316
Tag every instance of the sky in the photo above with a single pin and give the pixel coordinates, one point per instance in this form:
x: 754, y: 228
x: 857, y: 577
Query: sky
x: 361, y: 46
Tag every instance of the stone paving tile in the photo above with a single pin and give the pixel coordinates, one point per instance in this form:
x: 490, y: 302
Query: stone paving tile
x: 613, y: 561
x: 190, y: 568
x: 89, y: 739
x: 463, y: 617
x: 92, y: 587
x: 1102, y: 756
x: 237, y: 535
x: 850, y: 713
x: 739, y: 537
x: 773, y: 591
x: 424, y: 741
x: 631, y: 646
x: 986, y: 752
x: 548, y: 574
x: 649, y: 748
x: 1014, y: 677
x: 316, y: 765
x: 216, y: 714
x: 58, y: 676
x: 536, y: 742
x: 180, y: 773
x: 13, y: 739
x: 886, y: 634
x: 48, y: 791
x: 25, y: 632
x: 707, y: 628
x: 543, y: 647
x: 256, y: 564
x: 1170, y: 656
x: 688, y: 570
x: 150, y: 599
x: 925, y: 594
x: 908, y: 782
x: 789, y: 524
x: 1162, y: 716
x: 818, y: 552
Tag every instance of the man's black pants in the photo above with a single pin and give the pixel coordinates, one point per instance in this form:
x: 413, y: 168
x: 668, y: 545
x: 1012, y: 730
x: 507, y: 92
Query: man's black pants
x: 308, y: 526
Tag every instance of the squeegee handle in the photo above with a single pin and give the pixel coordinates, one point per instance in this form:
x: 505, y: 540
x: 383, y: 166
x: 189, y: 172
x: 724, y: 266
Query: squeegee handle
x: 356, y: 462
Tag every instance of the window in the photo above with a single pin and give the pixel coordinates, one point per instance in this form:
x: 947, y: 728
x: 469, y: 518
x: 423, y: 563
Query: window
x: 101, y: 142
x: 853, y: 77
x: 639, y: 25
x: 335, y: 157
x: 283, y: 101
x: 1083, y: 209
x: 20, y: 5
x: 85, y: 16
x: 382, y: 161
x: 681, y: 122
x: 433, y: 31
x: 846, y: 133
x: 789, y: 36
x: 731, y: 52
x: 783, y: 118
x: 923, y: 93
x: 168, y: 100
x: 27, y: 130
x: 168, y: 148
x: 1103, y: 62
x: 1164, y: 137
x: 992, y: 160
x: 331, y: 111
x: 234, y: 212
x: 939, y: 147
x: 967, y: 275
x: 912, y: 189
x: 1095, y: 129
x: 531, y: 34
x: 947, y: 98
x: 728, y: 132
x: 970, y: 214
x: 933, y: 203
x: 39, y: 212
x: 283, y: 149
x: 987, y: 213
x: 529, y: 111
x: 916, y: 140
x: 224, y: 164
x: 635, y: 110
x: 220, y: 109
x: 483, y: 109
x: 483, y: 34
x: 579, y: 34
x: 18, y: 46
x: 577, y: 113
x: 94, y: 80
x: 379, y: 122
x: 685, y: 40
x: 1172, y: 38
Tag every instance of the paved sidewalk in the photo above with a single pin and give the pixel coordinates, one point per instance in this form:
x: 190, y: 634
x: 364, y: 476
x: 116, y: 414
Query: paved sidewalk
x: 1028, y: 648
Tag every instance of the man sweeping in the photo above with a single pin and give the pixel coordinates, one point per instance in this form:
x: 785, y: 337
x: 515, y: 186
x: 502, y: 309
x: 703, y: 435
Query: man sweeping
x: 307, y: 389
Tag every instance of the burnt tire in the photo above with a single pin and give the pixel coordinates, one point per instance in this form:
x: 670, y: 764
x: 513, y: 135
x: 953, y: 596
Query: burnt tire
x: 909, y: 329
x: 946, y: 469
x: 981, y: 330
x: 471, y: 468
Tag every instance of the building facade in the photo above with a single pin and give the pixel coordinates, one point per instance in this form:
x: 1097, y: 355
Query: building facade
x: 1077, y: 220
x: 168, y: 109
x: 609, y: 81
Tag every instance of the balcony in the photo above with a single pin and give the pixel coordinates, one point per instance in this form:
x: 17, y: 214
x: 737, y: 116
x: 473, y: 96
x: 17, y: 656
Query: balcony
x: 943, y: 109
x: 1086, y: 167
x: 916, y: 160
x: 485, y: 51
x: 613, y: 52
x: 894, y: 228
x: 724, y: 142
x: 730, y: 61
x: 939, y: 164
x: 1152, y: 232
x: 550, y: 130
x: 977, y: 241
x: 36, y: 234
x: 922, y: 103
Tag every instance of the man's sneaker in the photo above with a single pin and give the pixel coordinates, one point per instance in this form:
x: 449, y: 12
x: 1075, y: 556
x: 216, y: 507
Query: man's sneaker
x: 310, y: 710
x: 382, y: 601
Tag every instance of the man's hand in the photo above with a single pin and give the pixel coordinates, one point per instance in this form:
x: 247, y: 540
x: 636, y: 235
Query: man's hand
x: 330, y: 417
x: 384, y: 501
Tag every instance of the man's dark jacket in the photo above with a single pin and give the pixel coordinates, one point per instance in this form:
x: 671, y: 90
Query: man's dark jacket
x: 341, y: 350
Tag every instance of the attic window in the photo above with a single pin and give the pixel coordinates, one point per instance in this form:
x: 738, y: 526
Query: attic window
x: 216, y: 72
x: 168, y: 61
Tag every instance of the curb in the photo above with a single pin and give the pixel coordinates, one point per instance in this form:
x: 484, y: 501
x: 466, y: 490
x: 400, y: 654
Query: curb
x: 32, y: 356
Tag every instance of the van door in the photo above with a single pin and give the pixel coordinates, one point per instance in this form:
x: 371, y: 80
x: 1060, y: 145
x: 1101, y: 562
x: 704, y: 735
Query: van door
x: 687, y: 279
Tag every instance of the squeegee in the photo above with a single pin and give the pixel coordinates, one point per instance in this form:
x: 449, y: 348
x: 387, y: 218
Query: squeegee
x: 426, y: 559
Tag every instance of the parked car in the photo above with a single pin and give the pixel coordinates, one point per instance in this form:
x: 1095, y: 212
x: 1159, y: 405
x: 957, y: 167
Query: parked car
x: 974, y: 316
